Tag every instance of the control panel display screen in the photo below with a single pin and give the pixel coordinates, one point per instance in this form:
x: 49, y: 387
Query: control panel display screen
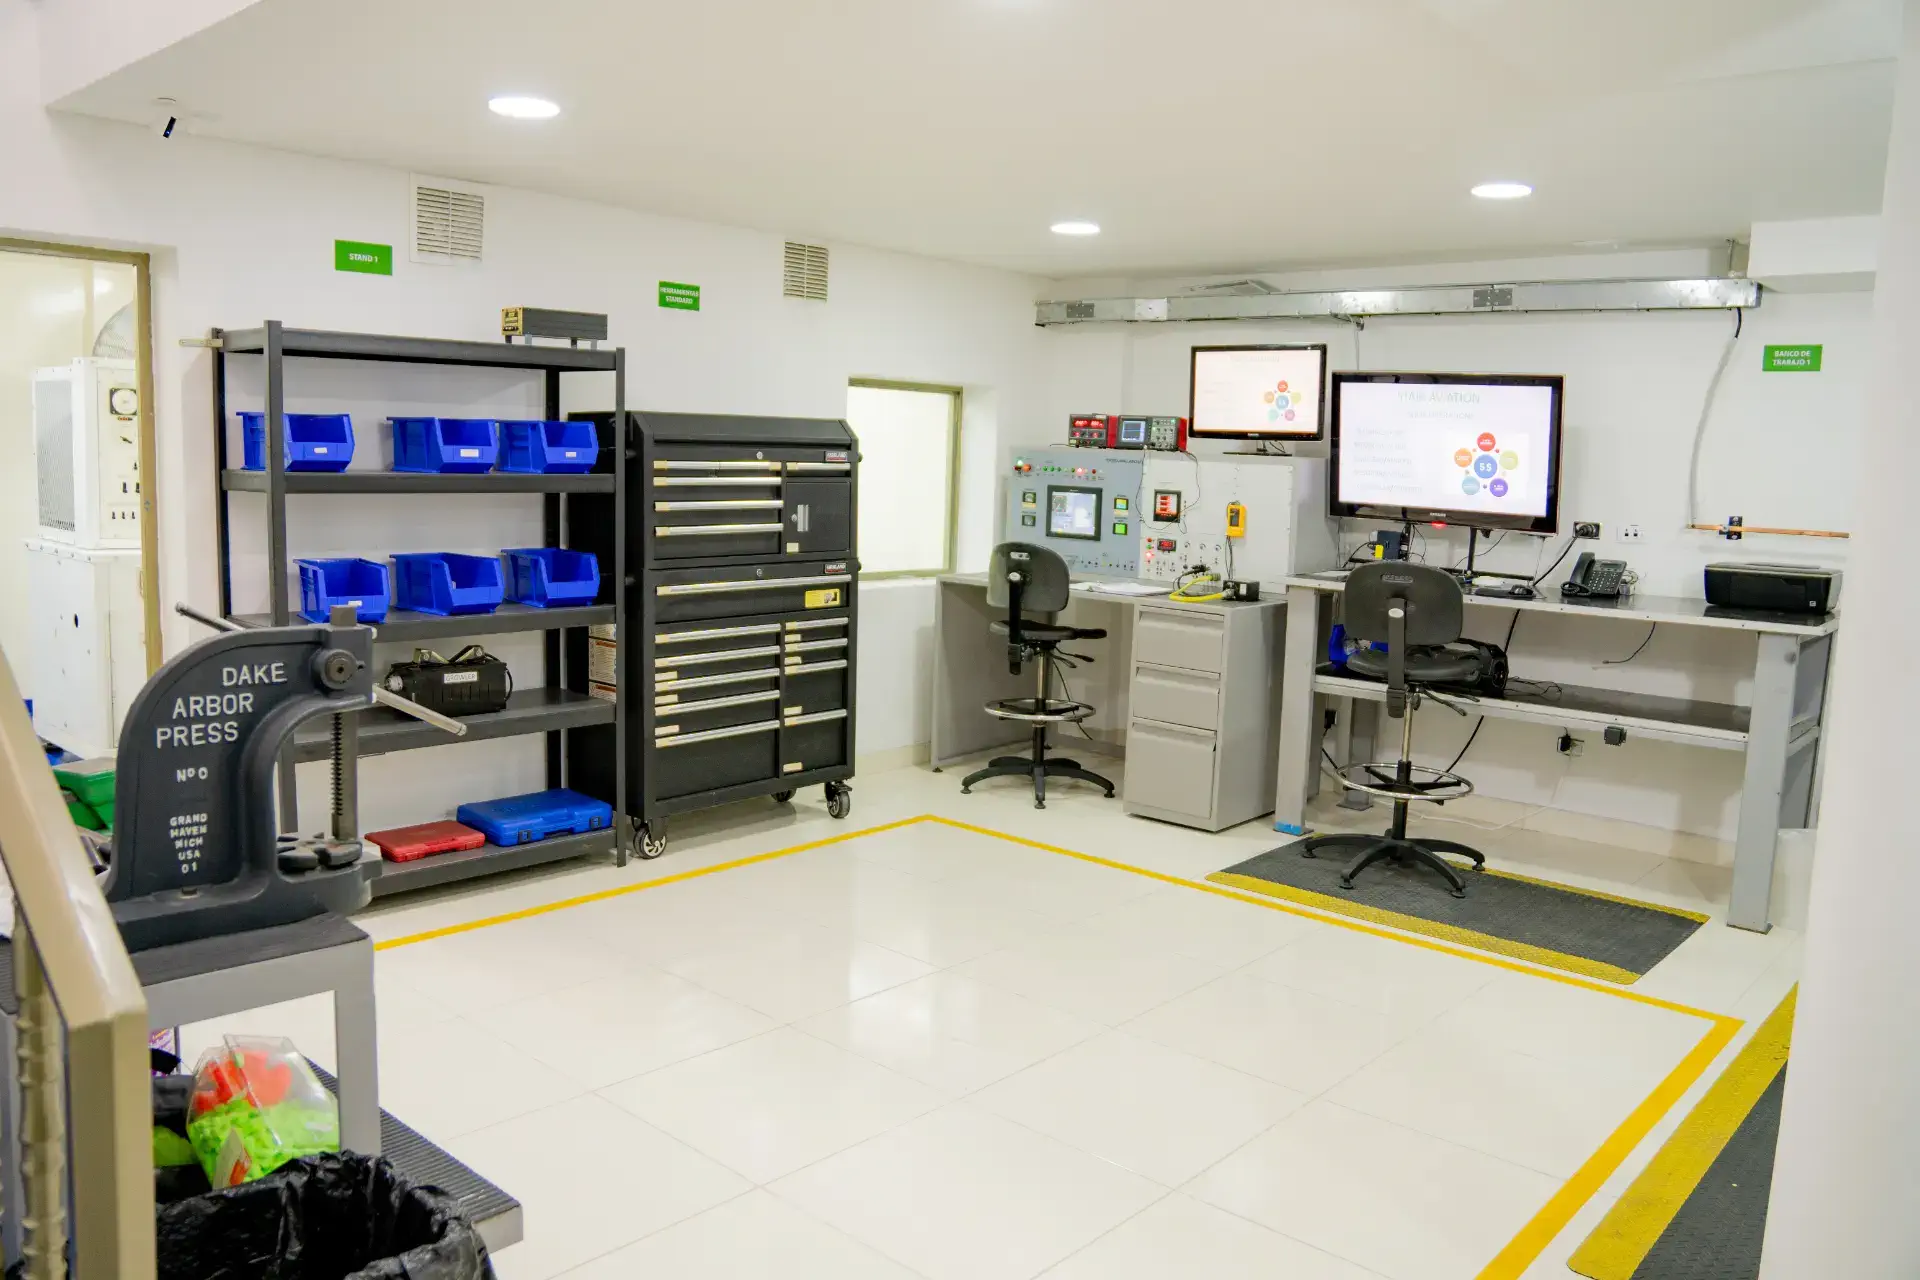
x: 1073, y: 513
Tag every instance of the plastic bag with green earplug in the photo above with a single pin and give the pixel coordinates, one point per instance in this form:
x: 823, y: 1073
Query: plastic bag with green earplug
x: 256, y: 1105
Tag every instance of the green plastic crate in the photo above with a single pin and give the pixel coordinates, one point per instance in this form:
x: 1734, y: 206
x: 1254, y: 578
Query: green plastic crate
x: 82, y: 815
x: 91, y: 781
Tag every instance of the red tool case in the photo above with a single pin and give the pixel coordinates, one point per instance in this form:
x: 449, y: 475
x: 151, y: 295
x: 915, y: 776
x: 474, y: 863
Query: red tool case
x: 404, y: 844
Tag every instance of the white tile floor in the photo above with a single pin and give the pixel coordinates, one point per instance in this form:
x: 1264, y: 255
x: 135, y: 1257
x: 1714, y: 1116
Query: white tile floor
x: 933, y: 1052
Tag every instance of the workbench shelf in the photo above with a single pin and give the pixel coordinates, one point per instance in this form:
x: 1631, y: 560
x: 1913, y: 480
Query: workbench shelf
x: 556, y: 708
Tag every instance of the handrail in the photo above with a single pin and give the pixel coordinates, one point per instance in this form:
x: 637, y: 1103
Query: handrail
x: 72, y: 951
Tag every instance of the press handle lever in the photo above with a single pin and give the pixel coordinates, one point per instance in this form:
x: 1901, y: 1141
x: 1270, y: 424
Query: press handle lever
x: 407, y: 706
x: 206, y: 619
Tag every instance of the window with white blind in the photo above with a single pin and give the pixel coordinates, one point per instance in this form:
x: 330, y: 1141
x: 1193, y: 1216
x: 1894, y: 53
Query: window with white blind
x: 909, y: 467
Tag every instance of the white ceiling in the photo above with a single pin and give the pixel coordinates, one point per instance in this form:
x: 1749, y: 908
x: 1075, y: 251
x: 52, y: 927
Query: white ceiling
x: 1202, y: 134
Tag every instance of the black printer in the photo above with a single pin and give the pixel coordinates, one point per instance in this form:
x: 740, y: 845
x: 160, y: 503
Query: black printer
x: 1773, y: 588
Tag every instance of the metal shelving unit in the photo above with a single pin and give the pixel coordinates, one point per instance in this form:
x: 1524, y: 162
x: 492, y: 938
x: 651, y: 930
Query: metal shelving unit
x: 553, y: 709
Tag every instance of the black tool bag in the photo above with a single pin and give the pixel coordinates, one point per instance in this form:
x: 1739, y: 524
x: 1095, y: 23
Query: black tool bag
x: 472, y: 683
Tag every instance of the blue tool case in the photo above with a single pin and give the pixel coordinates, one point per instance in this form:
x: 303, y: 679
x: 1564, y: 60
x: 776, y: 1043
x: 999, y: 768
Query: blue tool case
x: 524, y: 819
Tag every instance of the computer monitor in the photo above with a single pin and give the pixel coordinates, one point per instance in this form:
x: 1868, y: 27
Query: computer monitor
x: 1458, y: 448
x: 1258, y: 393
x: 1073, y: 512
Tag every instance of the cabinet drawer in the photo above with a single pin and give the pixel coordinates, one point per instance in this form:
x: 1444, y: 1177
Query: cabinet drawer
x: 703, y: 595
x: 1176, y: 697
x: 1171, y: 768
x: 1172, y: 638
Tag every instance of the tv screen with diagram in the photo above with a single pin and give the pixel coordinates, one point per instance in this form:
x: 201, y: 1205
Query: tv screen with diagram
x: 1258, y: 393
x: 1453, y: 448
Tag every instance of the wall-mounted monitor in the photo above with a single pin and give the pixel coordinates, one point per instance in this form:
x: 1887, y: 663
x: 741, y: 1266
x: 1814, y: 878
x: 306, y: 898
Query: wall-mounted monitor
x: 1073, y: 513
x: 1258, y: 393
x: 1458, y: 448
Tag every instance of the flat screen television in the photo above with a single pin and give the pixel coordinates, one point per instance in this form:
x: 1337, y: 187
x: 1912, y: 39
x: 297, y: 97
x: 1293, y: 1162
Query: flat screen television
x: 1258, y: 393
x: 1477, y: 449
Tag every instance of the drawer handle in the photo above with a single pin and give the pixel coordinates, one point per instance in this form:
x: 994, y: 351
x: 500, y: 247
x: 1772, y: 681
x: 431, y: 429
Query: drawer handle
x: 715, y: 704
x: 736, y: 504
x: 707, y: 682
x: 716, y: 633
x: 807, y: 668
x: 714, y: 464
x: 816, y: 644
x: 816, y: 624
x: 711, y: 735
x: 758, y: 584
x: 716, y: 482
x: 832, y: 468
x: 718, y: 655
x: 818, y: 717
x: 710, y: 530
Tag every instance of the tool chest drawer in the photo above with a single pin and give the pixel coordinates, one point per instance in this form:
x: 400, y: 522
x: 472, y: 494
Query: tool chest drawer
x: 816, y: 740
x: 685, y: 764
x: 719, y: 502
x: 740, y: 591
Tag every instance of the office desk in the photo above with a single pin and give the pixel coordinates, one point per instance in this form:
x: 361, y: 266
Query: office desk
x: 1192, y: 688
x: 1777, y: 732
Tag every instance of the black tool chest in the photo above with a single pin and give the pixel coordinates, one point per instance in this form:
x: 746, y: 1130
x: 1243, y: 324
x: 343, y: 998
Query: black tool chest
x: 736, y: 651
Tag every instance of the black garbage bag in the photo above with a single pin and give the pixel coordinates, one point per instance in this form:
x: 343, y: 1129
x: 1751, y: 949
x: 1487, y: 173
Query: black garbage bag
x: 329, y: 1217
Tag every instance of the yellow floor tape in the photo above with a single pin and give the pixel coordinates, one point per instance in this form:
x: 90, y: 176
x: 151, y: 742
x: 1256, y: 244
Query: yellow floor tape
x: 1628, y: 1233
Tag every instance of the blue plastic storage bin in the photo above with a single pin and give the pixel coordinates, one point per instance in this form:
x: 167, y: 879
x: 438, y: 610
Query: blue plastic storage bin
x: 524, y: 819
x: 544, y: 576
x: 444, y: 583
x: 314, y: 441
x: 445, y: 445
x: 360, y: 583
x: 558, y: 448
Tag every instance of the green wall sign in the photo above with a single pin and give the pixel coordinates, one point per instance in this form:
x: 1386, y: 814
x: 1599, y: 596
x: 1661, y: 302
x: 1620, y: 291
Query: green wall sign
x: 355, y: 255
x: 1801, y: 359
x: 679, y: 297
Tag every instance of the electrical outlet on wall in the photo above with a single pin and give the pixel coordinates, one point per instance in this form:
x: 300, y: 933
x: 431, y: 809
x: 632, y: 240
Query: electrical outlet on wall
x: 1570, y: 745
x: 1586, y: 528
x: 1629, y: 533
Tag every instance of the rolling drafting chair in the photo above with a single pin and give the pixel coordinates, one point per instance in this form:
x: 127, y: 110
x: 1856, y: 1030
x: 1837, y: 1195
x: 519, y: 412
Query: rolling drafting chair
x: 1029, y: 579
x: 1418, y: 610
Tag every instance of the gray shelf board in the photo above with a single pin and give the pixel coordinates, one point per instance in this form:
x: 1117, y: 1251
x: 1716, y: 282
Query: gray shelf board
x: 1713, y: 724
x: 326, y: 344
x: 404, y: 624
x: 528, y: 711
x: 237, y: 480
x: 488, y: 859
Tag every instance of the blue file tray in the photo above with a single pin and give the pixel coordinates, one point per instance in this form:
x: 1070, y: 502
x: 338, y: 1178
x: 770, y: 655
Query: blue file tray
x: 548, y: 448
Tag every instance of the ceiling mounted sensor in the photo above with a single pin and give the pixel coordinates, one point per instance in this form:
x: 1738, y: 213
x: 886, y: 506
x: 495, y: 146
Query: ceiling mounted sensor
x: 522, y: 107
x: 1503, y: 190
x: 1076, y: 227
x: 805, y: 275
x: 449, y: 221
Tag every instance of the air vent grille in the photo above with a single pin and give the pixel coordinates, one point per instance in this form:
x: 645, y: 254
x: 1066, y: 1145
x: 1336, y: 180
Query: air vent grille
x: 449, y: 225
x: 806, y: 273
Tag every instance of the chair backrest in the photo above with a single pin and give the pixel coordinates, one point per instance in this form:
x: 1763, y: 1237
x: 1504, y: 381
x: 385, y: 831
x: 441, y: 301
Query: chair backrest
x: 1435, y: 605
x: 1043, y: 578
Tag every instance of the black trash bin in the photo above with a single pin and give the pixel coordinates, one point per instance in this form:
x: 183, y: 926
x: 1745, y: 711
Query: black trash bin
x: 330, y: 1217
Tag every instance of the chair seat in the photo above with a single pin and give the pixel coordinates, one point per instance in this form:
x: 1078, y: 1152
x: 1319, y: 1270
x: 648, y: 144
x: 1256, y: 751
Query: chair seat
x: 1047, y: 632
x: 1424, y: 666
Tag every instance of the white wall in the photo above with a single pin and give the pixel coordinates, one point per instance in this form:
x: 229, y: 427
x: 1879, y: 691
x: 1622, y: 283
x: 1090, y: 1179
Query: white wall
x: 1779, y: 452
x: 242, y: 234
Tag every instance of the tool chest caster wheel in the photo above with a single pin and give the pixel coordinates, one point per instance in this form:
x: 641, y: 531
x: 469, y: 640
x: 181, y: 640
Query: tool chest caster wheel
x: 653, y: 838
x: 783, y: 797
x: 839, y: 800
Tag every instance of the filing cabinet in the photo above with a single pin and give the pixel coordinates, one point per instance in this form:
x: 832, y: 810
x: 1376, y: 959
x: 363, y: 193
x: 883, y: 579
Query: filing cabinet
x: 1204, y: 712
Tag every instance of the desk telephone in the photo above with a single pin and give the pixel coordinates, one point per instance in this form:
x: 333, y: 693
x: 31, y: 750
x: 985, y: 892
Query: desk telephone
x: 1595, y: 579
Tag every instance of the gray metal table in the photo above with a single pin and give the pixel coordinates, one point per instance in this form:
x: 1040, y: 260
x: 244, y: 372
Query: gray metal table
x: 1777, y: 732
x: 215, y: 977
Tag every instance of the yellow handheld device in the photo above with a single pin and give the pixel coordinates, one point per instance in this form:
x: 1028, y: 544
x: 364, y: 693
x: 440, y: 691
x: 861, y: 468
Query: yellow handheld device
x: 1236, y: 520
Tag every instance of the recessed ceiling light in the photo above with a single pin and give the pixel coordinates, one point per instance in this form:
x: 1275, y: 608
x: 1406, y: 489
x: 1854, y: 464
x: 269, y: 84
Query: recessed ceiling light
x: 1502, y: 190
x: 522, y: 108
x: 1076, y: 227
